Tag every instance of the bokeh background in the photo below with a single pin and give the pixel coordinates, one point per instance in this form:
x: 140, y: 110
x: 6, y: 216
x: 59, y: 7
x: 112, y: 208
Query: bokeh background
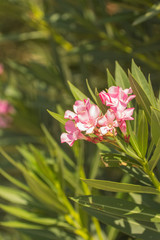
x: 46, y: 43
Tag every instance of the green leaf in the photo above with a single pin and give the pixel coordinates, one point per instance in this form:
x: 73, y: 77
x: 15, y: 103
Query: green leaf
x: 133, y: 219
x: 13, y: 195
x: 102, y: 107
x: 43, y: 193
x: 20, y: 225
x: 91, y: 92
x: 110, y: 80
x: 119, y: 187
x: 152, y: 95
x: 155, y: 157
x: 128, y: 149
x: 133, y: 140
x: 117, y: 160
x: 141, y: 96
x: 14, y: 180
x: 155, y: 124
x: 143, y: 134
x: 26, y: 215
x: 57, y: 147
x: 58, y: 117
x: 120, y: 207
x: 121, y: 77
x: 153, y: 11
x: 138, y: 174
x: 140, y: 78
x: 78, y: 95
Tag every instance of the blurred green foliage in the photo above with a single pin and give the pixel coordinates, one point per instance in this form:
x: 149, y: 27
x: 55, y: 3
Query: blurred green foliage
x: 45, y: 43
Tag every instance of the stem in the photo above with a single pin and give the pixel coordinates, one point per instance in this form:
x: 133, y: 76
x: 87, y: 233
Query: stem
x: 152, y: 176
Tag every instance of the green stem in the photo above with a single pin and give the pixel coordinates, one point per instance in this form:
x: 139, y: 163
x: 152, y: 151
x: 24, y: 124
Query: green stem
x: 152, y: 176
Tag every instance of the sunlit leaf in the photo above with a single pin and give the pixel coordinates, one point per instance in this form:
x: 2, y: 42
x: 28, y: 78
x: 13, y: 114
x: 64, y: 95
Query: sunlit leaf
x: 134, y: 219
x: 121, y: 77
x: 155, y: 124
x: 143, y: 134
x: 119, y: 187
x: 155, y: 157
x: 58, y: 117
x: 141, y: 96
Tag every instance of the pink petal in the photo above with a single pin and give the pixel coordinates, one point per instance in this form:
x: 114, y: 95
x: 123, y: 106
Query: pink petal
x: 121, y: 106
x: 69, y: 115
x: 94, y: 112
x: 83, y: 117
x: 128, y: 90
x: 90, y: 130
x: 70, y: 126
x: 65, y: 137
x: 102, y: 121
x: 113, y: 91
x: 130, y: 98
x: 81, y: 126
x: 79, y: 106
x: 127, y: 114
x: 110, y: 115
x: 87, y: 104
x: 123, y: 127
x: 104, y: 96
x: 104, y: 130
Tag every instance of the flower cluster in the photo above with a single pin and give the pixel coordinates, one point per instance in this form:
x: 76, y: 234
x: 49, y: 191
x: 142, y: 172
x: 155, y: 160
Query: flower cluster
x: 97, y: 127
x: 6, y: 109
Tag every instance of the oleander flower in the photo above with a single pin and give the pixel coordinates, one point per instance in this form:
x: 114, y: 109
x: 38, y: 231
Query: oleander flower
x: 89, y: 123
x: 73, y: 133
x: 116, y: 98
x: 6, y: 107
x: 108, y: 123
x: 6, y: 110
x: 85, y: 115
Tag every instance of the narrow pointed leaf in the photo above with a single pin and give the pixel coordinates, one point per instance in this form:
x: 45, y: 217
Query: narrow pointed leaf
x: 119, y: 187
x: 57, y: 147
x: 26, y: 215
x: 20, y: 225
x: 14, y: 180
x: 58, y: 117
x: 110, y: 80
x: 130, y: 218
x: 155, y: 124
x: 78, y: 95
x: 121, y: 77
x: 133, y: 140
x: 152, y: 95
x: 13, y: 195
x: 140, y: 78
x: 141, y: 97
x: 91, y: 92
x: 143, y: 134
x: 155, y: 157
x: 117, y: 160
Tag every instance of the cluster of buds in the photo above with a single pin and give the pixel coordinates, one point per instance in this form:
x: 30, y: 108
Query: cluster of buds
x: 89, y: 123
x: 6, y: 109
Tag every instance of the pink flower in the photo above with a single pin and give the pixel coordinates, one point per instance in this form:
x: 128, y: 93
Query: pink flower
x: 96, y: 127
x: 6, y: 107
x: 5, y: 110
x: 85, y: 116
x: 116, y: 98
x: 1, y: 68
x: 73, y: 133
x: 123, y: 127
x: 108, y: 123
x: 125, y: 115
